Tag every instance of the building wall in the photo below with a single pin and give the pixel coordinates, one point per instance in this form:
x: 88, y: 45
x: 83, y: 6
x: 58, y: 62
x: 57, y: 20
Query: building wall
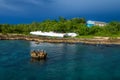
x: 95, y: 23
x: 90, y: 23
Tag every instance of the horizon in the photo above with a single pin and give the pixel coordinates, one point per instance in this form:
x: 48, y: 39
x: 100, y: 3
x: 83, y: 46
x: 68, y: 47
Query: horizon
x: 26, y: 12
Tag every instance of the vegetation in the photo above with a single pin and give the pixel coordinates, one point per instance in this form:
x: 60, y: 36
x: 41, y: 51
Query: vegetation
x: 77, y: 25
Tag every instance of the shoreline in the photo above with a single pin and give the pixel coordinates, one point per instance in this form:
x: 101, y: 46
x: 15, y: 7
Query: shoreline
x: 37, y: 39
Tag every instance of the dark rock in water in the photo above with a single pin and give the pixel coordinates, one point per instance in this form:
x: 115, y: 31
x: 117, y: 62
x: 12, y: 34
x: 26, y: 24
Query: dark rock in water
x: 38, y: 55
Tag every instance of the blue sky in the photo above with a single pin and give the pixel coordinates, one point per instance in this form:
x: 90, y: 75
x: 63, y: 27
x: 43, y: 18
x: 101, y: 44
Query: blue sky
x: 27, y: 11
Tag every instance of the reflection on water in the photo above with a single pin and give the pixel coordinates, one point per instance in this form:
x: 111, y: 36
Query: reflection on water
x: 41, y: 61
x: 64, y: 62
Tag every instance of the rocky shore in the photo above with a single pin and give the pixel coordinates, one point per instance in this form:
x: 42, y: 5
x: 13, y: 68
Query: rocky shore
x: 95, y: 40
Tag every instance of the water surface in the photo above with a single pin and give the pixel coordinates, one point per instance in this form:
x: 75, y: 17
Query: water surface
x: 64, y: 62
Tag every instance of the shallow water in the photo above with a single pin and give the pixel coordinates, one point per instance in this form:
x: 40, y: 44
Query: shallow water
x: 64, y: 62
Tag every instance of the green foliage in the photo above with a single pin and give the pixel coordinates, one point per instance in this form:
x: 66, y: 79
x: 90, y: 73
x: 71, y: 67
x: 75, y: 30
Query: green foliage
x: 77, y: 25
x: 113, y: 27
x: 95, y: 30
x: 78, y: 20
x: 62, y: 19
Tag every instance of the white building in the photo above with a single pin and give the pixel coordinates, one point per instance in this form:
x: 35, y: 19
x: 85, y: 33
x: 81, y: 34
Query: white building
x: 95, y: 23
x: 53, y: 34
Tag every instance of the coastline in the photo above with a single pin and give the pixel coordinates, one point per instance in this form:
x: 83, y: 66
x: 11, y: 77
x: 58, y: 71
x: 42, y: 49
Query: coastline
x: 37, y: 39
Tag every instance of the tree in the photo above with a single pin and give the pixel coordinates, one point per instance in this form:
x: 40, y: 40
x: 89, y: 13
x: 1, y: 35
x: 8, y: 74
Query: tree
x: 62, y: 19
x: 78, y: 20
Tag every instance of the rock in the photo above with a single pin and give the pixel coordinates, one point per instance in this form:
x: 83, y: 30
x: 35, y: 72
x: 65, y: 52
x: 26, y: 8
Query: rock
x: 38, y: 55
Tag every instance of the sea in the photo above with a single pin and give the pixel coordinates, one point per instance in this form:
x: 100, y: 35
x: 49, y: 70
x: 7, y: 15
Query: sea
x: 65, y: 61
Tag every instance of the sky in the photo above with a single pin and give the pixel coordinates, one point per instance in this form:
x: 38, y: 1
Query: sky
x: 27, y: 11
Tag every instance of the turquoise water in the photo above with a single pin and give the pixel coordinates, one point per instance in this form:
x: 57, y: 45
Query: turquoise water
x: 64, y: 62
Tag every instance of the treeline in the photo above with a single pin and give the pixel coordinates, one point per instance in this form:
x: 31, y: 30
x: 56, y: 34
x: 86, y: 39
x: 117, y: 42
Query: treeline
x: 77, y: 25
